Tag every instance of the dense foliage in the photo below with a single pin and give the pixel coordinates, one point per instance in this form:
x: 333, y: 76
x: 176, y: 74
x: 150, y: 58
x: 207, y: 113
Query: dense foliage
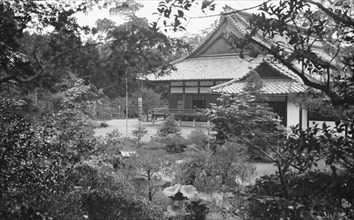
x: 317, y: 167
x: 246, y: 117
x: 219, y: 170
x: 37, y: 158
x: 112, y: 198
x: 16, y: 18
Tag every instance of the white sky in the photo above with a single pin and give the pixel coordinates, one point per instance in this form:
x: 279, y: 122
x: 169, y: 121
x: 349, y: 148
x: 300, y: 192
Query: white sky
x: 194, y: 25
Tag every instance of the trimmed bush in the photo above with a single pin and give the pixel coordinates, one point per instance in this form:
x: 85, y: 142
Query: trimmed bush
x: 103, y: 125
x: 170, y: 126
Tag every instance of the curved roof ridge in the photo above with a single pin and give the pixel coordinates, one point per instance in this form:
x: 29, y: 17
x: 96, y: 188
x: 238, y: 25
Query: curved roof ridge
x: 236, y: 21
x: 222, y: 85
x: 235, y: 79
x: 270, y: 87
x: 201, y: 43
x: 236, y: 24
x: 282, y: 69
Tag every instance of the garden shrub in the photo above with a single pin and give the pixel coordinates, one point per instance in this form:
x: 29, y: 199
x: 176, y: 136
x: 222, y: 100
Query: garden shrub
x: 103, y: 125
x: 174, y: 143
x: 169, y: 127
x: 117, y: 200
x: 210, y: 170
x: 198, y: 137
x: 102, y: 195
x: 312, y: 194
x: 169, y: 135
x: 38, y: 156
x: 307, y: 191
x: 246, y: 118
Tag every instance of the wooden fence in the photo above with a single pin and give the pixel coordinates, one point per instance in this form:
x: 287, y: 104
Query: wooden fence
x: 179, y: 114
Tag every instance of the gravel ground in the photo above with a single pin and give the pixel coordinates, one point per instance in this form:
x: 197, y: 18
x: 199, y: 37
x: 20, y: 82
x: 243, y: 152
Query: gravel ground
x: 120, y: 124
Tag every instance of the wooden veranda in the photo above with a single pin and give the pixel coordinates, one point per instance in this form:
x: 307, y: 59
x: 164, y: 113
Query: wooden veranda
x: 180, y: 114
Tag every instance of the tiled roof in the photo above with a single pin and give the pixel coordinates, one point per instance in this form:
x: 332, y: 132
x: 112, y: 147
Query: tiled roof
x: 270, y: 87
x: 283, y: 69
x: 210, y: 68
x: 240, y: 23
x: 223, y: 67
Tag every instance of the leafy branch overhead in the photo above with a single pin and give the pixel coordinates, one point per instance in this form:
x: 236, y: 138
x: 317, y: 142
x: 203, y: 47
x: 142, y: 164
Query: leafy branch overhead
x: 17, y: 18
x: 316, y: 44
x: 172, y: 13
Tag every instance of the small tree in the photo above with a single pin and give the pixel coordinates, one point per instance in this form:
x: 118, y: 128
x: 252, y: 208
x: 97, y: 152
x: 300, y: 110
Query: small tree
x: 169, y: 135
x: 169, y: 127
x: 148, y: 163
x: 139, y: 133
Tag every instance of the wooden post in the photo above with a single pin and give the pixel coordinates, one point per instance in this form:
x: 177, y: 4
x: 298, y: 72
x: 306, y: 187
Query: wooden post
x: 94, y: 109
x: 180, y: 116
x: 208, y: 124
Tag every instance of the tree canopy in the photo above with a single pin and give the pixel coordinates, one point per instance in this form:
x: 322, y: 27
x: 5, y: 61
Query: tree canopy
x: 19, y: 17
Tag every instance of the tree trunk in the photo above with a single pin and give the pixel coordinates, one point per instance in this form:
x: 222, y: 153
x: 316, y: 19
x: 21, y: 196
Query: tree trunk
x: 149, y: 182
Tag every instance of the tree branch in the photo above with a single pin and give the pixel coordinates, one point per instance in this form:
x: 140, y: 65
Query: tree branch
x: 11, y: 76
x: 43, y: 69
x: 336, y: 98
x: 347, y: 21
x: 280, y: 171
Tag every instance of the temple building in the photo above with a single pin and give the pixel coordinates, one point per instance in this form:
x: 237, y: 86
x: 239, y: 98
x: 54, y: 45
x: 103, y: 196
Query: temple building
x: 216, y: 66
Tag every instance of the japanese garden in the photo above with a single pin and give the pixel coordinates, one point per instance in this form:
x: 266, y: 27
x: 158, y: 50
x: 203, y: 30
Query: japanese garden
x: 250, y: 119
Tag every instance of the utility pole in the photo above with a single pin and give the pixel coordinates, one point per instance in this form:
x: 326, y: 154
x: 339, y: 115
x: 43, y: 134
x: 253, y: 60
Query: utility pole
x: 140, y: 110
x: 126, y: 87
x: 126, y: 103
x: 36, y: 96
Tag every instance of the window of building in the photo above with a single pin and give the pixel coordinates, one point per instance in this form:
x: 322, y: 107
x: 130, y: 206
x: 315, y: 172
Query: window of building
x: 280, y: 109
x: 199, y: 102
x: 180, y: 102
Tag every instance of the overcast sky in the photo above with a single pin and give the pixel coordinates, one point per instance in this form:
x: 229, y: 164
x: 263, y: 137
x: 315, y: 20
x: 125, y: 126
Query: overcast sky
x: 194, y: 25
